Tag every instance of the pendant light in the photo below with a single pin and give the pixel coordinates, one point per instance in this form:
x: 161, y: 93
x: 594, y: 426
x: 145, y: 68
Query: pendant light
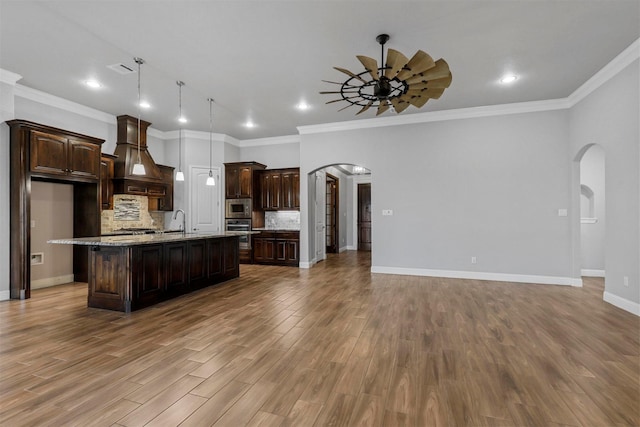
x: 179, y: 174
x: 138, y: 167
x: 210, y: 180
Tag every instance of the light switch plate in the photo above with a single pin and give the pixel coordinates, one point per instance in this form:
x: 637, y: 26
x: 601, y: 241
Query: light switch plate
x: 562, y: 212
x: 387, y: 212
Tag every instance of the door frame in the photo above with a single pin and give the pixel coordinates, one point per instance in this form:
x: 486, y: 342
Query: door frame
x: 336, y: 208
x: 358, y: 179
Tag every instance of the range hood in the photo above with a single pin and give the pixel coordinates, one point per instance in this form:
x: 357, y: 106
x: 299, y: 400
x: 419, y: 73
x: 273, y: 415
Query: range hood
x: 127, y: 151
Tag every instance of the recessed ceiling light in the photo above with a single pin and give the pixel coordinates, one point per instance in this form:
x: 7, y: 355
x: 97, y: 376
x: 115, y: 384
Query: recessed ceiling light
x: 303, y: 106
x: 508, y: 78
x: 94, y: 84
x: 249, y: 124
x: 182, y: 119
x: 145, y: 104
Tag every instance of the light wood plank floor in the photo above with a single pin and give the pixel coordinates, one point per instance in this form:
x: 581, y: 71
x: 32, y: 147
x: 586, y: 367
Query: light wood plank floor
x: 333, y: 345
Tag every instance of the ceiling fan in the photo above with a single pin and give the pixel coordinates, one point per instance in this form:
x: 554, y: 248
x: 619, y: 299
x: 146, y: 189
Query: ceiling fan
x: 399, y: 83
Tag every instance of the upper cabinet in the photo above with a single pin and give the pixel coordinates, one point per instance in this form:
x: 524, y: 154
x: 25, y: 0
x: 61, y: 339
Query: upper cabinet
x: 106, y: 181
x: 63, y: 156
x: 238, y: 179
x: 280, y: 189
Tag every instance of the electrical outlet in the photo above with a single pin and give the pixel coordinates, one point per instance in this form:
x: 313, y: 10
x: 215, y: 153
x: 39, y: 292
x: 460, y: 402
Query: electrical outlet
x: 387, y: 212
x: 474, y: 260
x: 626, y: 281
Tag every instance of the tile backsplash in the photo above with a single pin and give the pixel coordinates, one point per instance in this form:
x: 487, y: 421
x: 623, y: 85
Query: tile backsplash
x: 130, y: 212
x: 282, y: 220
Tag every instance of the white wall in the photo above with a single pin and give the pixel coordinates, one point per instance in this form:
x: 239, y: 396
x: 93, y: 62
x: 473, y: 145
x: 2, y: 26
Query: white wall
x: 274, y: 156
x: 609, y: 116
x: 486, y: 187
x: 592, y: 233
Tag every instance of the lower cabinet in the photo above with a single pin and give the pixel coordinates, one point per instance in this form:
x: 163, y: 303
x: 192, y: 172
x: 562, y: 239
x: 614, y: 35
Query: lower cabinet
x: 130, y: 278
x: 277, y: 248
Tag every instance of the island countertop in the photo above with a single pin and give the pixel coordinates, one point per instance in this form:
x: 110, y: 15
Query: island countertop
x: 144, y: 239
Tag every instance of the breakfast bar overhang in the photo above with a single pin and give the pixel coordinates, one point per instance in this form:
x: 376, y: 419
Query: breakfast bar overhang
x: 130, y: 272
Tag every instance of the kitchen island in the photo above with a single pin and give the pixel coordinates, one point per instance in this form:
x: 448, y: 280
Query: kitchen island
x: 129, y: 272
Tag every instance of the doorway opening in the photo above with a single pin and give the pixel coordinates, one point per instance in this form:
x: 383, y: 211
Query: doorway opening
x: 332, y: 202
x: 364, y: 217
x: 592, y: 210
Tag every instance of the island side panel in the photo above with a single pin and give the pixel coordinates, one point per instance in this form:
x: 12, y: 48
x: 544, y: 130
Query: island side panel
x: 109, y: 278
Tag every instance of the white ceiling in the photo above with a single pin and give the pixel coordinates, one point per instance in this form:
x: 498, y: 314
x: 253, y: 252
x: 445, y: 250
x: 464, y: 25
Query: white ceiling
x: 258, y: 59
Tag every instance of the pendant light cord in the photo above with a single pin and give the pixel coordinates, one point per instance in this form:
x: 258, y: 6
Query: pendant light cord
x: 139, y: 61
x: 180, y: 84
x: 210, y: 135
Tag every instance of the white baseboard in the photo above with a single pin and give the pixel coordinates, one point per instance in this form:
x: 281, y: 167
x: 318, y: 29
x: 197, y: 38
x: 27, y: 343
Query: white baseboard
x: 623, y: 303
x: 342, y: 249
x: 352, y: 248
x: 591, y: 273
x: 5, y: 295
x: 475, y: 275
x: 51, y: 281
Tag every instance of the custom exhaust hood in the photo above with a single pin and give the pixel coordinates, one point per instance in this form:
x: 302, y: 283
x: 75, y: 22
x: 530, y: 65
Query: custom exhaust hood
x: 127, y: 152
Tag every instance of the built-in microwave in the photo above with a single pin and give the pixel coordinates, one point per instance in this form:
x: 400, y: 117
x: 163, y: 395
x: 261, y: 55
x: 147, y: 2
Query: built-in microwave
x: 238, y: 208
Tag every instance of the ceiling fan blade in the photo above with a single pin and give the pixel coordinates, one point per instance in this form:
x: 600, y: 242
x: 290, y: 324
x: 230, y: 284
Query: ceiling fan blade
x: 418, y: 101
x: 433, y: 84
x: 325, y: 92
x: 395, y: 62
x: 344, y: 108
x: 371, y: 65
x: 384, y: 106
x: 440, y: 71
x: 399, y: 104
x: 342, y: 99
x: 419, y: 63
x: 338, y: 83
x: 429, y: 93
x: 349, y: 73
x: 365, y: 108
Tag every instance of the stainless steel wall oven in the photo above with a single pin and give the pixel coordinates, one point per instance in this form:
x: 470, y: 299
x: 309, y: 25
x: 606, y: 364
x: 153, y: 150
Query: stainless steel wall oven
x: 240, y: 225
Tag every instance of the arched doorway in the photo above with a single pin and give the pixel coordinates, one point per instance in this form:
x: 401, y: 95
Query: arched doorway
x: 591, y: 160
x: 333, y: 202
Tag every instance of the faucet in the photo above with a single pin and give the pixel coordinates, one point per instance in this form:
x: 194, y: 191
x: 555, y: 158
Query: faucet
x: 184, y: 219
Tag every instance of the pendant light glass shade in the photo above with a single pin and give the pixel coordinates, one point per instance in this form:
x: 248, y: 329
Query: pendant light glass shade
x: 181, y: 119
x: 138, y: 167
x: 210, y: 180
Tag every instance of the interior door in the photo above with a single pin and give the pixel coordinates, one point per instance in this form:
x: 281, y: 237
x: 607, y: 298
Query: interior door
x: 364, y: 217
x: 205, y: 201
x: 320, y: 216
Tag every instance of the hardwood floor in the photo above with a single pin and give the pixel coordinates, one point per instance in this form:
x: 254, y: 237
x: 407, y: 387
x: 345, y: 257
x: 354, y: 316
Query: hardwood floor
x: 333, y: 345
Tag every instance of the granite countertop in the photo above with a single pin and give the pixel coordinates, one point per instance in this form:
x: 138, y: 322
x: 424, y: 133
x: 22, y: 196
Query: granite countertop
x: 144, y: 239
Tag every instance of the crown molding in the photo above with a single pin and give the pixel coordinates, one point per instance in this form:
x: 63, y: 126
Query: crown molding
x: 276, y: 140
x: 439, y: 116
x: 63, y: 104
x: 204, y: 136
x: 607, y: 72
x: 9, y: 77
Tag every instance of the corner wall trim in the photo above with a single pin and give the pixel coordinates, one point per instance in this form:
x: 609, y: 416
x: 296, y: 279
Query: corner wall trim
x: 622, y: 303
x: 475, y: 275
x: 5, y: 295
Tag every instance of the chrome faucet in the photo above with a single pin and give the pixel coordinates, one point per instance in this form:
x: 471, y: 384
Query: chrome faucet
x: 184, y: 219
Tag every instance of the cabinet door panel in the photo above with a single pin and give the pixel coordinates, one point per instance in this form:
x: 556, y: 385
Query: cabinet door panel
x: 231, y: 250
x: 215, y: 251
x: 147, y: 275
x: 106, y: 183
x: 281, y: 250
x: 275, y: 191
x: 84, y: 159
x: 108, y: 268
x: 175, y: 264
x: 292, y: 251
x: 197, y: 261
x: 244, y: 182
x: 48, y: 153
x: 231, y: 181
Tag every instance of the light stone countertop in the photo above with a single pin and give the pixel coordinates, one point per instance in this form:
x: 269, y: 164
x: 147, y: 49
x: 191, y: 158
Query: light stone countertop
x: 144, y: 239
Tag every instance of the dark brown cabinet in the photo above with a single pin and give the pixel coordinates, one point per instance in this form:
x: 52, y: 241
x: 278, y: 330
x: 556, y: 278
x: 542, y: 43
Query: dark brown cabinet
x: 159, y: 194
x: 277, y: 248
x: 106, y: 181
x: 238, y: 179
x: 147, y: 275
x: 280, y: 189
x: 63, y: 157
